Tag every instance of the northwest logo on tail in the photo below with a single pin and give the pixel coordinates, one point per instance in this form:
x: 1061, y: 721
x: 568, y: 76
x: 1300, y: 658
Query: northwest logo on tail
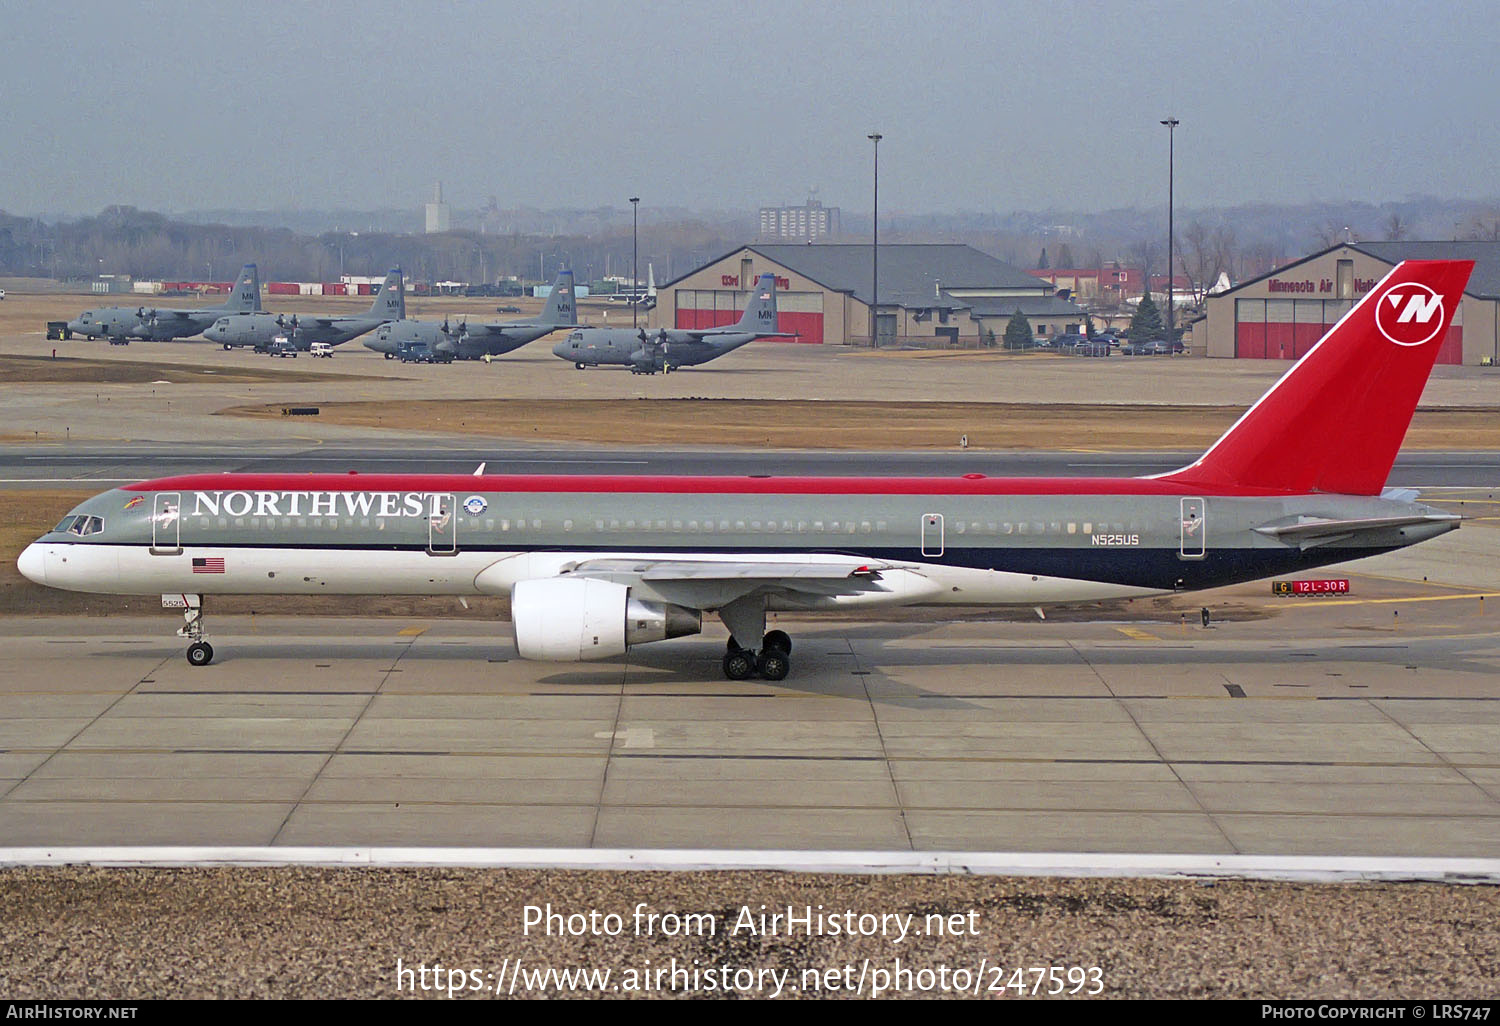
x: 1409, y: 314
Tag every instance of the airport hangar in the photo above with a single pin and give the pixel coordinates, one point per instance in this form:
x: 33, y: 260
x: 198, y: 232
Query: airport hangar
x: 1283, y: 314
x: 934, y: 294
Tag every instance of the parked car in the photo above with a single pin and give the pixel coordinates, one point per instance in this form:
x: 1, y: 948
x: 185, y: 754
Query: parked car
x: 282, y: 346
x: 1092, y: 347
x: 507, y: 309
x: 322, y: 349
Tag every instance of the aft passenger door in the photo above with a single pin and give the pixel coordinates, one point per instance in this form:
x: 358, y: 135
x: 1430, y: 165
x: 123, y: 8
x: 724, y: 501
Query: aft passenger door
x: 442, y: 526
x: 1194, y: 538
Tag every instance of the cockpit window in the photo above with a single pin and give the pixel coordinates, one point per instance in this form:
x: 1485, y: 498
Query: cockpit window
x: 63, y: 524
x: 82, y: 526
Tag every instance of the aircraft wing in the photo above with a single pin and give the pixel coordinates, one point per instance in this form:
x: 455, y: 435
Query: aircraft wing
x: 308, y: 321
x: 490, y: 330
x: 710, y: 584
x: 702, y: 333
x: 176, y: 315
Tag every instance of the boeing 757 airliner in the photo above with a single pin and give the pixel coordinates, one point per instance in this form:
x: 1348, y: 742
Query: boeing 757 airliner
x: 594, y: 565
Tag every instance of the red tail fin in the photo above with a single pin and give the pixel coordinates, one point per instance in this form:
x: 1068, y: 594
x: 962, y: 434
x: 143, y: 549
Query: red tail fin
x: 1334, y: 421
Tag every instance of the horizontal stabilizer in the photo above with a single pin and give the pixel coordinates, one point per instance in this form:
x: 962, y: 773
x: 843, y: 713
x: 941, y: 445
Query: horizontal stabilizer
x: 1310, y: 532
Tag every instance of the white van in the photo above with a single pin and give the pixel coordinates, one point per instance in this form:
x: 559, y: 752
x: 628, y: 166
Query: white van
x: 322, y: 349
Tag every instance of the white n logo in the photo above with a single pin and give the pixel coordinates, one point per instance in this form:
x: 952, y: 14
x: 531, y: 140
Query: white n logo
x: 1419, y: 308
x: 1410, y: 314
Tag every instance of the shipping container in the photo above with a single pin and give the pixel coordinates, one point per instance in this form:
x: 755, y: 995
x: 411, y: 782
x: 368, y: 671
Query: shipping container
x: 334, y: 288
x: 282, y: 288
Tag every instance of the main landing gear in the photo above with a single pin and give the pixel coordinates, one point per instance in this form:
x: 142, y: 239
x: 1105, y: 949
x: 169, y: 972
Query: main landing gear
x: 746, y: 619
x: 199, y: 652
x: 773, y: 662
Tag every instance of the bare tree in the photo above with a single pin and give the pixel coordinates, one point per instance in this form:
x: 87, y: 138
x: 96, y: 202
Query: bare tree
x: 1146, y: 253
x: 1395, y: 228
x: 1330, y: 234
x: 1484, y: 227
x: 1206, y: 255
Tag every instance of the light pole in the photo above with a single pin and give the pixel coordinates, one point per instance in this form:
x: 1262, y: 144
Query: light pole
x: 875, y: 137
x: 1171, y: 124
x: 635, y: 207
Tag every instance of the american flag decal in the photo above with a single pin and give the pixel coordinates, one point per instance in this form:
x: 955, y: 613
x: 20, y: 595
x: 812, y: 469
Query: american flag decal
x: 208, y: 565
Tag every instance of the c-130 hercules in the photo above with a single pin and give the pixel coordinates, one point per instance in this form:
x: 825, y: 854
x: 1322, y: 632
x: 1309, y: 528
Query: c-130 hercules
x: 259, y: 330
x: 464, y: 341
x: 123, y: 323
x: 666, y: 349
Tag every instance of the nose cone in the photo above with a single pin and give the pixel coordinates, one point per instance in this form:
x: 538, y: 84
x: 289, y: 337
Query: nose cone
x: 560, y: 349
x: 33, y: 564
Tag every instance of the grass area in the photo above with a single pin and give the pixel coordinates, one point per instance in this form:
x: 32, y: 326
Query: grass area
x: 74, y: 369
x: 799, y: 424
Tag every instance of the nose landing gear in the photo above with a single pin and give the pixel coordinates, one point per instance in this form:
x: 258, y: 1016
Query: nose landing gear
x: 199, y: 652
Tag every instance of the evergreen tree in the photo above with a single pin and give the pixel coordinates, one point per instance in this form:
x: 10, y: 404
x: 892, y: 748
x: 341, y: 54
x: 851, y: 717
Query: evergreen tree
x: 1065, y: 256
x: 1147, y: 323
x: 1088, y: 326
x: 1041, y: 265
x: 1018, y: 332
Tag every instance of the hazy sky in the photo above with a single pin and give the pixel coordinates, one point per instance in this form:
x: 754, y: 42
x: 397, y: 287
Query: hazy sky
x: 1004, y: 105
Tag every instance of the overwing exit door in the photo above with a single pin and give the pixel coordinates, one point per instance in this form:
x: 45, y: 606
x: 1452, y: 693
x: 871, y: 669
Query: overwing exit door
x: 932, y: 534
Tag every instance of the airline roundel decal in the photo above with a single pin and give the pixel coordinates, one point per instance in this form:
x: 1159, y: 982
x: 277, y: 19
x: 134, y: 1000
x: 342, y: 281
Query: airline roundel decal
x: 1409, y: 314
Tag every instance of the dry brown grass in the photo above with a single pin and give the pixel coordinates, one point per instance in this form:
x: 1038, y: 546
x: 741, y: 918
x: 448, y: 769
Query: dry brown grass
x: 83, y: 370
x: 799, y: 424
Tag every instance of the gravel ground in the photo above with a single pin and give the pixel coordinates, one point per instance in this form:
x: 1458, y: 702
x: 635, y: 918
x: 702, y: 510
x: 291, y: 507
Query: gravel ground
x: 321, y: 933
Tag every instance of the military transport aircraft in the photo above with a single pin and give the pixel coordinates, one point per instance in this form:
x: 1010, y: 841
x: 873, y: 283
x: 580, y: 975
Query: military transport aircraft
x: 259, y: 330
x: 667, y: 349
x: 596, y: 564
x: 122, y: 323
x: 465, y: 341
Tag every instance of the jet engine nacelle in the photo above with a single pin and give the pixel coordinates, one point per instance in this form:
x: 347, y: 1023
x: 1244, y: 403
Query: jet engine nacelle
x: 573, y: 618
